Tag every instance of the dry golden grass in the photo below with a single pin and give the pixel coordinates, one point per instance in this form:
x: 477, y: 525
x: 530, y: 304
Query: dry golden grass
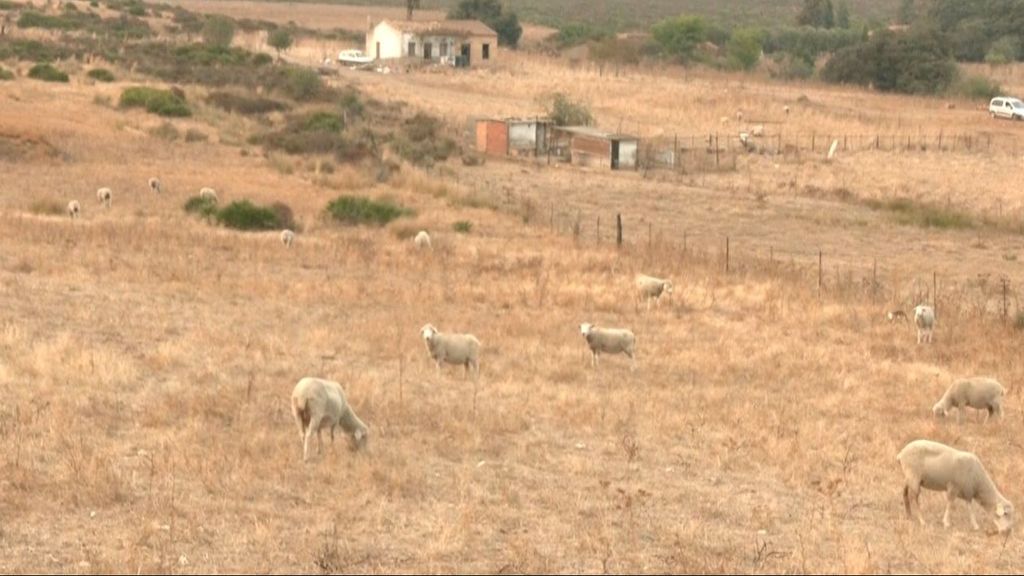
x: 146, y: 362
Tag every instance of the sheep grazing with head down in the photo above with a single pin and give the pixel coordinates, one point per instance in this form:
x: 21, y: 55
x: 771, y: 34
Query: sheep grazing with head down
x: 650, y: 288
x: 287, y: 237
x: 422, y: 240
x: 924, y: 319
x: 154, y: 185
x: 979, y: 393
x: 104, y: 196
x: 74, y: 209
x: 934, y: 466
x: 319, y: 404
x: 208, y: 194
x: 609, y: 341
x: 461, y: 349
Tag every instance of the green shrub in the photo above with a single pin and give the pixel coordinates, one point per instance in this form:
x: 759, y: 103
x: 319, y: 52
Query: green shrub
x: 31, y: 19
x: 315, y: 133
x: 421, y: 142
x: 6, y: 74
x: 155, y: 101
x: 218, y: 31
x: 922, y: 214
x: 244, y: 215
x: 247, y: 105
x: 206, y: 207
x: 912, y: 63
x: 47, y: 73
x: 356, y: 210
x: 977, y: 88
x: 101, y: 75
x: 302, y: 84
x: 324, y: 122
x: 566, y: 112
x: 262, y: 59
x: 463, y: 226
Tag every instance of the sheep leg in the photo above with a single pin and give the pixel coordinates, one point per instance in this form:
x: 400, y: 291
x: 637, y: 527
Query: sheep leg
x: 438, y: 364
x: 319, y: 440
x: 306, y: 442
x: 974, y: 521
x: 950, y: 497
x: 912, y: 491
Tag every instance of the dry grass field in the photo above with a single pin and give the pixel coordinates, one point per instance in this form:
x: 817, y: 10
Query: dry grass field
x: 147, y: 358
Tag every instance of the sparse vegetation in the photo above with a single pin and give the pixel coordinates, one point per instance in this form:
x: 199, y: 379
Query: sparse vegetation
x: 247, y: 216
x: 205, y: 207
x: 566, y: 112
x: 165, y: 131
x: 6, y: 74
x: 244, y: 104
x: 463, y: 226
x: 421, y: 141
x: 355, y: 210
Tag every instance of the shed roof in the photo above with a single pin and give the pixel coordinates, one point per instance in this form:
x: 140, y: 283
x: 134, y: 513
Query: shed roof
x: 594, y: 133
x: 443, y: 27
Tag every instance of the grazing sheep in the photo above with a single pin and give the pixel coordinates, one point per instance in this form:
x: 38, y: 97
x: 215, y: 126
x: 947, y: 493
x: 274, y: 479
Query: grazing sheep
x: 287, y: 237
x: 935, y: 466
x: 979, y: 393
x: 319, y: 404
x: 73, y: 209
x: 105, y: 196
x: 924, y: 319
x: 757, y: 130
x: 154, y: 185
x: 422, y: 239
x: 208, y: 194
x: 895, y: 315
x: 452, y: 348
x: 747, y: 142
x: 786, y: 109
x: 609, y: 341
x: 651, y: 288
x: 739, y: 116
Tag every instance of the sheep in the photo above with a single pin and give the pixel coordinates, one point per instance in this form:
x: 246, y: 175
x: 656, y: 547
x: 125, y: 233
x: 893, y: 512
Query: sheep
x: 452, y: 348
x: 651, y: 288
x: 757, y: 130
x: 208, y: 194
x: 979, y: 392
x: 422, y: 240
x: 935, y: 466
x: 319, y: 404
x: 786, y: 109
x: 74, y: 209
x: 924, y: 319
x: 739, y: 115
x: 609, y: 341
x: 105, y: 196
x: 287, y: 237
x: 895, y: 315
x: 154, y: 185
x: 747, y: 142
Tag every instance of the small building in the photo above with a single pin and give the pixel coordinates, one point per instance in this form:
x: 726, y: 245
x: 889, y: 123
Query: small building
x: 587, y: 146
x: 513, y: 136
x: 461, y: 42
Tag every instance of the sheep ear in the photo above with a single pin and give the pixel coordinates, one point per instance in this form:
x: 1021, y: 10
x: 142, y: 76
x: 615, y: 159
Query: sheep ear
x: 359, y: 434
x: 1000, y: 509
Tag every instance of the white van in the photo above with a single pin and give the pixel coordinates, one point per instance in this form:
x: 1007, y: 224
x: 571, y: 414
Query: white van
x: 1006, y: 107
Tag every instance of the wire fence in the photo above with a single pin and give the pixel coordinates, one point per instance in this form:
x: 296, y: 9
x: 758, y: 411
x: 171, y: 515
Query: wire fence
x: 991, y: 296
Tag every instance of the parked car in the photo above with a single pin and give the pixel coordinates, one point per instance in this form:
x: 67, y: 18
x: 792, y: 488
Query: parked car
x: 1006, y: 107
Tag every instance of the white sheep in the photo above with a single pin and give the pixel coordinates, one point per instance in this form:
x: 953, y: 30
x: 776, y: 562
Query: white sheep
x: 924, y: 319
x: 319, y: 404
x: 208, y: 194
x: 74, y: 208
x: 960, y: 474
x: 757, y: 130
x: 154, y: 185
x: 650, y: 288
x: 422, y: 240
x: 287, y: 237
x: 895, y: 315
x: 609, y: 341
x: 105, y: 196
x: 979, y: 393
x: 786, y: 109
x: 461, y: 349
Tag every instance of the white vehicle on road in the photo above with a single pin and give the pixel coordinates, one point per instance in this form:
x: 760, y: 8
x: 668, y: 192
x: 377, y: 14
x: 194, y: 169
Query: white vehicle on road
x: 1006, y: 107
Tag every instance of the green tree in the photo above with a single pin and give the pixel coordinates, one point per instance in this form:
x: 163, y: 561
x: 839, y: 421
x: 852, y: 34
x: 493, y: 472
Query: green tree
x: 280, y: 40
x: 918, y: 63
x: 679, y: 37
x: 842, y: 15
x: 411, y: 5
x: 218, y: 31
x: 490, y: 12
x: 1003, y: 51
x: 816, y: 13
x: 744, y: 48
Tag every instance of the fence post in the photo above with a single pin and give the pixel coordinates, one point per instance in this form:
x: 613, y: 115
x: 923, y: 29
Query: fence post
x: 813, y: 137
x: 552, y: 217
x: 618, y: 232
x: 650, y: 236
x: 684, y: 244
x: 716, y: 151
x: 819, y: 273
x: 874, y: 279
x: 726, y: 254
x: 598, y: 228
x: 1005, y: 310
x: 935, y: 292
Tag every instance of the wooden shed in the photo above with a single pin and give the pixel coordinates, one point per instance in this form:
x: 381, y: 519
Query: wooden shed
x: 587, y: 146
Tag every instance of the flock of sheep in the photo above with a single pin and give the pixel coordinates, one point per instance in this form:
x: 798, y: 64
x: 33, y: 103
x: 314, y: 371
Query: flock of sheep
x: 105, y: 196
x: 318, y: 404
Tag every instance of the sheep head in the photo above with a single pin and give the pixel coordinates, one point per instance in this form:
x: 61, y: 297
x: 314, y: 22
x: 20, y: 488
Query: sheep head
x: 1004, y: 517
x: 362, y: 439
x: 428, y: 332
x: 585, y: 328
x: 939, y: 410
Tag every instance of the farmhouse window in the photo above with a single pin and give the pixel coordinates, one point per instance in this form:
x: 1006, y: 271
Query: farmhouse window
x: 412, y: 48
x: 444, y: 49
x: 487, y: 51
